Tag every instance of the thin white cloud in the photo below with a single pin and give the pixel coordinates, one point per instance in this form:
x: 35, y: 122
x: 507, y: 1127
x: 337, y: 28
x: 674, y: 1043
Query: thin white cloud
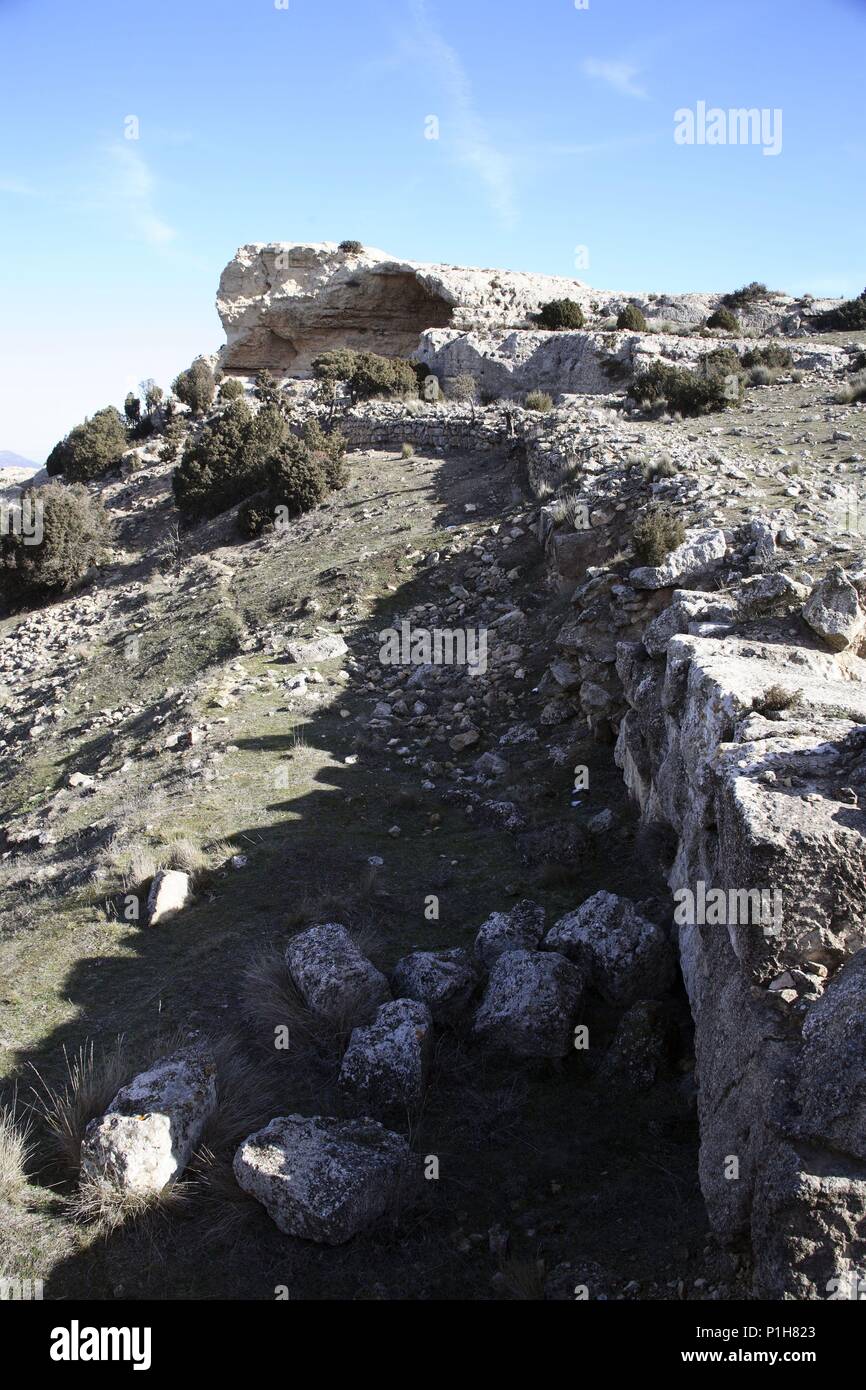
x: 131, y: 189
x: 618, y: 74
x: 473, y: 145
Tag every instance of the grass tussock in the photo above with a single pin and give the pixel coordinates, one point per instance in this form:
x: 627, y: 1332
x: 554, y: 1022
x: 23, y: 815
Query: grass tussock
x: 93, y: 1076
x: 16, y: 1150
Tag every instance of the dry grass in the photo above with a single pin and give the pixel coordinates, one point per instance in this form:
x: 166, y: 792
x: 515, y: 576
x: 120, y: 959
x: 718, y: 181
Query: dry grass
x: 16, y: 1149
x: 776, y: 697
x: 854, y: 392
x: 271, y: 1002
x: 103, y: 1205
x: 93, y: 1078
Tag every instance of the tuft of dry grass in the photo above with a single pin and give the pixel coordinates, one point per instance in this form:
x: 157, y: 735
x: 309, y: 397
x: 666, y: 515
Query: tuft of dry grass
x: 776, y: 697
x: 105, y: 1206
x: 16, y: 1149
x: 271, y: 1001
x: 93, y: 1078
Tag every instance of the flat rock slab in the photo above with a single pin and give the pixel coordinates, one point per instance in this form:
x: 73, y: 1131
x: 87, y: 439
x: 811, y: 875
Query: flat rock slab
x: 624, y: 955
x: 531, y: 1004
x: 335, y: 979
x: 149, y: 1132
x: 386, y: 1064
x: 324, y: 1179
x: 443, y: 980
x: 310, y: 652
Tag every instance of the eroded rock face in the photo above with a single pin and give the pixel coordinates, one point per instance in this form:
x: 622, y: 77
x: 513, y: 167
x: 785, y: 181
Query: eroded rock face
x: 324, y: 1179
x: 336, y: 980
x: 147, y: 1136
x: 695, y: 556
x: 530, y: 1005
x: 754, y: 752
x: 282, y: 303
x: 385, y: 1065
x: 622, y: 954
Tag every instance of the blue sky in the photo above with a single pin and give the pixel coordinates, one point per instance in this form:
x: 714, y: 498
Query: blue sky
x: 261, y: 122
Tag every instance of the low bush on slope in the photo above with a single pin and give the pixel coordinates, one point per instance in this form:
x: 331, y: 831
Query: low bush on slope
x: 90, y: 449
x: 74, y: 530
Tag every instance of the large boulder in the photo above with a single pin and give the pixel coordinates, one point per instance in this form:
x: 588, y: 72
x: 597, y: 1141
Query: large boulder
x: 443, y: 980
x: 334, y: 978
x: 170, y: 892
x: 521, y: 929
x: 625, y: 956
x: 530, y: 1005
x: 833, y: 611
x: 385, y: 1065
x: 147, y: 1136
x: 324, y: 1179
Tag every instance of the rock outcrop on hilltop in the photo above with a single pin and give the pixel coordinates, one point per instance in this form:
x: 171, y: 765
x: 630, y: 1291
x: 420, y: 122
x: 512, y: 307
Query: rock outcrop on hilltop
x: 283, y: 303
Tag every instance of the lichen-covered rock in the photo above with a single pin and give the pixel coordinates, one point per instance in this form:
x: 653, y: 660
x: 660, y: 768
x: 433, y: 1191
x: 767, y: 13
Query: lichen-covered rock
x: 335, y: 979
x: 521, y: 929
x: 641, y: 1047
x: 833, y: 611
x: 170, y: 891
x: 324, y: 1179
x: 530, y: 1005
x: 443, y: 980
x: 386, y: 1063
x: 147, y: 1136
x: 624, y: 955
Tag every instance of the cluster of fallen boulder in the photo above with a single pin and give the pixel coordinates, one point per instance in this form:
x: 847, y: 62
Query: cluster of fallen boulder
x: 518, y: 992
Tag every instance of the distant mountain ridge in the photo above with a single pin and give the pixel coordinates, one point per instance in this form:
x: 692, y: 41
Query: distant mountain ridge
x: 10, y: 460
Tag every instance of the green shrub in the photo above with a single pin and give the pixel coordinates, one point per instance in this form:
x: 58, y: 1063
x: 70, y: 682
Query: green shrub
x: 266, y: 389
x: 748, y: 295
x: 231, y: 390
x: 538, y: 400
x: 132, y: 408
x: 774, y: 355
x: 851, y: 314
x: 74, y: 532
x: 294, y: 478
x: 328, y: 448
x: 723, y: 318
x: 366, y: 373
x: 683, y: 392
x: 352, y: 248
x: 89, y: 450
x: 631, y: 317
x: 152, y: 395
x: 462, y: 388
x: 382, y: 376
x: 657, y: 533
x: 561, y: 313
x: 254, y: 516
x: 226, y: 461
x: 196, y: 386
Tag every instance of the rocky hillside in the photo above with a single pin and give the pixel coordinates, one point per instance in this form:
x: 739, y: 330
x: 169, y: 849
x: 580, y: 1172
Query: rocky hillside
x: 417, y: 928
